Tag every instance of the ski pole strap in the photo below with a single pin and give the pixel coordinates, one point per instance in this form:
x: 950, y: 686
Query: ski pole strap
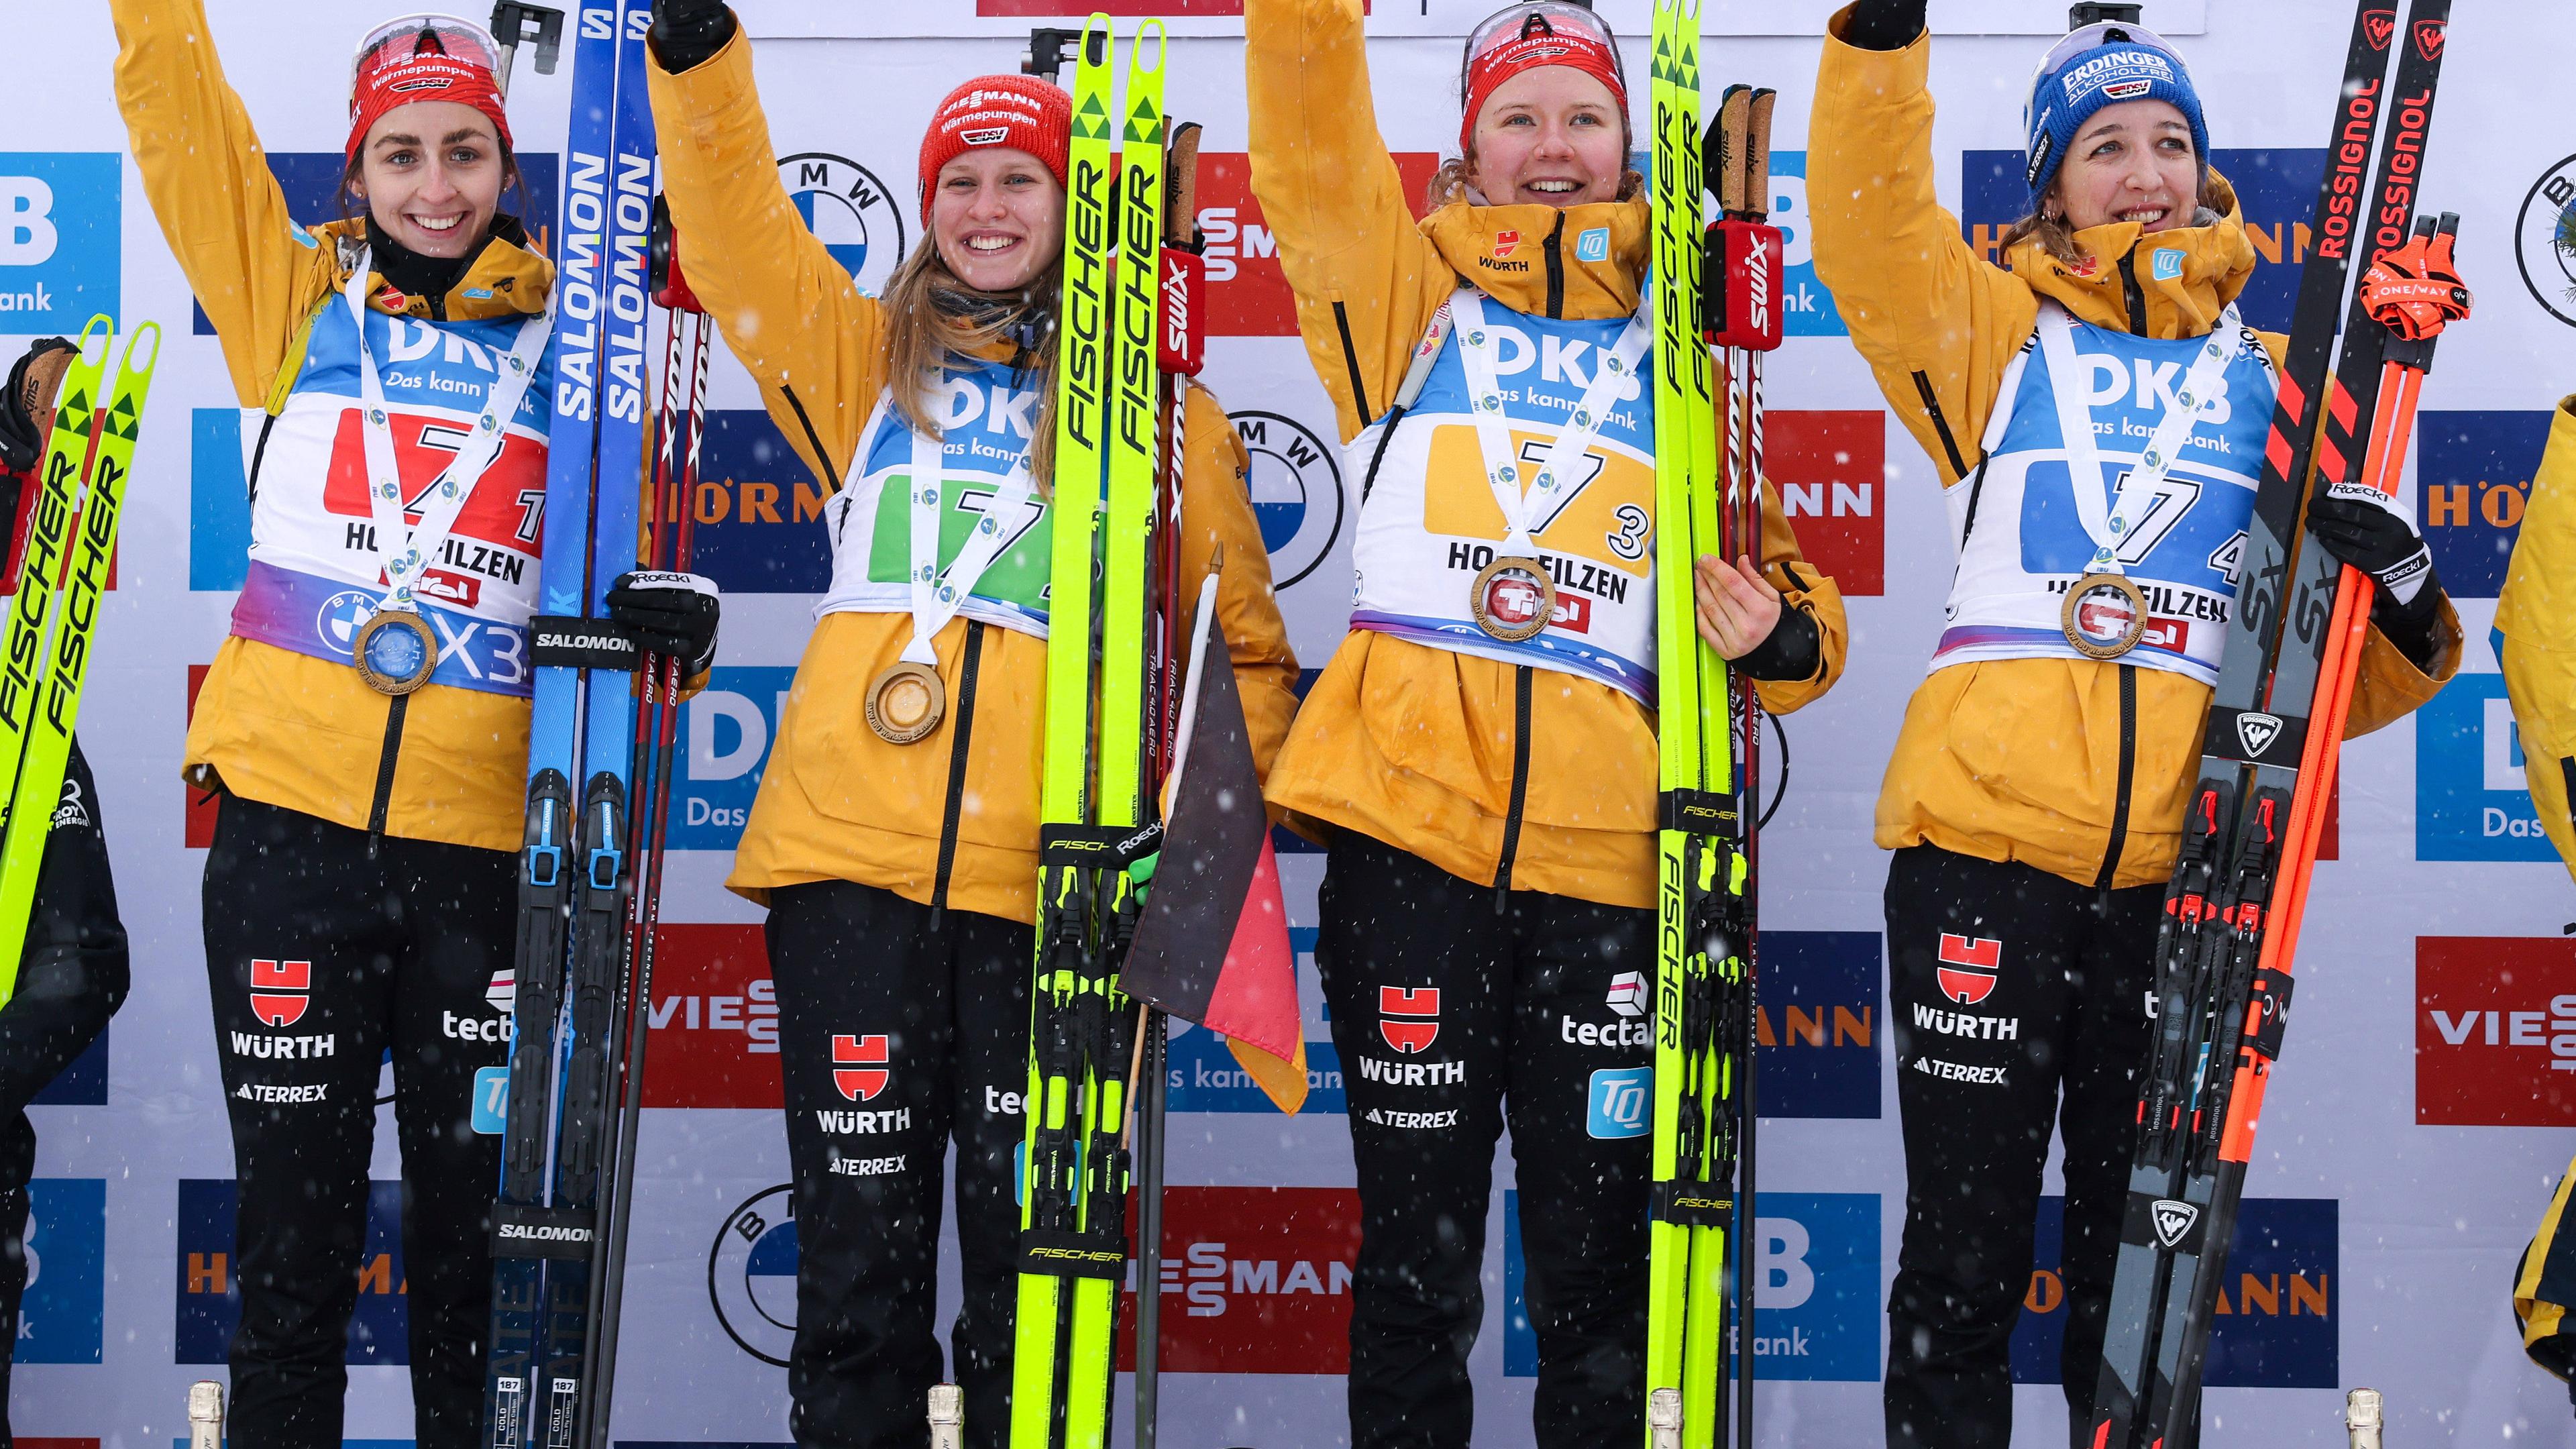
x: 2268, y: 1013
x: 572, y: 641
x: 1700, y: 812
x: 2415, y: 290
x: 1098, y: 847
x: 529, y: 1231
x: 1073, y: 1255
x: 1688, y: 1204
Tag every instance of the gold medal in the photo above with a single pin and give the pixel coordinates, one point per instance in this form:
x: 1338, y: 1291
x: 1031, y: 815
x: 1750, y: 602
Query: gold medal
x: 395, y: 652
x: 2104, y: 616
x: 1513, y: 598
x: 906, y: 703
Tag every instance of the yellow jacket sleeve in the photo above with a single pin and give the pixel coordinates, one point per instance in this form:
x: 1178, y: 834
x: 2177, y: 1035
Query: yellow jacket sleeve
x: 253, y: 269
x: 1366, y: 279
x: 1937, y: 323
x: 788, y: 310
x: 2537, y: 615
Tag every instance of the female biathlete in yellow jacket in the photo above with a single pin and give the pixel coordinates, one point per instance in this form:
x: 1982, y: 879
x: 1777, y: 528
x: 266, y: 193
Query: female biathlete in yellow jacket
x: 899, y: 861
x: 1487, y: 795
x: 367, y: 723
x: 2035, y: 800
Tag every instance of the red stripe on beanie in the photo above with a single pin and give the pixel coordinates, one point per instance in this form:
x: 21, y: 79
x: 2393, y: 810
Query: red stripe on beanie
x: 1571, y: 48
x: 398, y: 77
x: 1018, y: 111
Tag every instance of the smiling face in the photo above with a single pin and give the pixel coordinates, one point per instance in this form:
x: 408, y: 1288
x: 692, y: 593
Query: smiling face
x: 431, y: 174
x: 1551, y: 136
x: 998, y: 216
x: 2131, y: 162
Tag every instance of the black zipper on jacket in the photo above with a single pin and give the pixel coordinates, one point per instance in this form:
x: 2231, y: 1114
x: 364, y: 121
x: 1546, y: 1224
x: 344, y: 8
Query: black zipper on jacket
x: 384, y: 802
x: 1521, y: 685
x: 813, y: 440
x: 2128, y: 772
x: 1351, y: 360
x: 259, y: 455
x: 2137, y: 299
x: 1555, y: 253
x: 957, y: 770
x: 1940, y: 424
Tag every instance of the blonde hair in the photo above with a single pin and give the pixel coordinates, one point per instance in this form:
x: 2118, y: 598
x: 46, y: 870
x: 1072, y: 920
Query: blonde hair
x: 932, y: 321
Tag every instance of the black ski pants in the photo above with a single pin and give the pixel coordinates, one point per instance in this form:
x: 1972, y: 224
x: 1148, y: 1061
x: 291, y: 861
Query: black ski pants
x: 1451, y: 1016
x: 325, y: 948
x: 900, y: 1030
x: 72, y: 977
x: 2020, y: 997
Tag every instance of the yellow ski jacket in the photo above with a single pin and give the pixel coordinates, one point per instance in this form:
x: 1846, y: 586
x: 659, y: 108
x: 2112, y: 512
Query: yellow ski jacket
x: 837, y: 802
x: 2536, y: 613
x: 2080, y: 768
x: 1402, y: 742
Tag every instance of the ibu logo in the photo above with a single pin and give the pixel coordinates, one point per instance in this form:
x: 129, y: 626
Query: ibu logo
x: 1623, y: 1102
x: 61, y: 241
x: 1815, y: 1288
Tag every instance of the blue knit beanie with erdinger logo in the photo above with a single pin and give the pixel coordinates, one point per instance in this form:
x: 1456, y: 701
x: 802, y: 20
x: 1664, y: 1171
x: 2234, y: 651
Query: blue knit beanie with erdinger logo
x: 2097, y: 66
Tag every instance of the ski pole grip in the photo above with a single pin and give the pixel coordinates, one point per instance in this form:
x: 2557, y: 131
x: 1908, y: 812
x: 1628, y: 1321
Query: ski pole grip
x: 662, y: 263
x: 1744, y: 300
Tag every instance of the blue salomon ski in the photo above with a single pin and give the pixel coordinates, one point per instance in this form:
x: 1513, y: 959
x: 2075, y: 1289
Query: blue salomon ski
x: 576, y: 886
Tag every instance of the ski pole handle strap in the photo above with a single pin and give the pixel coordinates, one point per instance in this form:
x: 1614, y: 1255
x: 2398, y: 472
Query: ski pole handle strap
x: 570, y: 641
x: 1073, y: 1255
x: 1098, y: 846
x: 2268, y: 1013
x: 1699, y: 812
x: 1693, y: 1205
x: 528, y: 1231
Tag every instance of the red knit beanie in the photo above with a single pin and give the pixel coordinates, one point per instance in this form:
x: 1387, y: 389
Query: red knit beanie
x: 1536, y: 42
x: 435, y: 58
x: 1018, y: 111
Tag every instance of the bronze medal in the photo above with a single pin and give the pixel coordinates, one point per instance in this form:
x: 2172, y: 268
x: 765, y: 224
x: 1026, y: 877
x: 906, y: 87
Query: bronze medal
x: 2104, y: 616
x: 1513, y: 598
x: 395, y: 652
x: 906, y: 703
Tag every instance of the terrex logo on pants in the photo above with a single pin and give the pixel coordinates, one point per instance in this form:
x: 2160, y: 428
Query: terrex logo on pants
x: 1409, y: 1020
x: 1968, y: 967
x: 277, y: 990
x: 852, y: 1071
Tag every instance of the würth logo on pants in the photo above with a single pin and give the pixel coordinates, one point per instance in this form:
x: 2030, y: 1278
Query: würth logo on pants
x: 859, y: 1066
x: 1409, y: 1020
x: 1968, y: 967
x: 277, y: 991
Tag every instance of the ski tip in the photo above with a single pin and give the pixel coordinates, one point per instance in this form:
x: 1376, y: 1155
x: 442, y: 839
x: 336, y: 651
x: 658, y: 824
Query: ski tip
x: 1096, y: 35
x: 103, y: 327
x: 148, y: 332
x: 1162, y: 34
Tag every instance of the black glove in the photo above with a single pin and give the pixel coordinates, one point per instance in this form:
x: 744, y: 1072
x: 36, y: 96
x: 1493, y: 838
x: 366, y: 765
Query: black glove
x: 686, y: 32
x: 1794, y: 649
x: 1885, y: 24
x: 668, y: 613
x: 27, y: 407
x: 2361, y: 527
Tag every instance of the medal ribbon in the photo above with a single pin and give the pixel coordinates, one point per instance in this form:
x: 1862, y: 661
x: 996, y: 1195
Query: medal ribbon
x: 1494, y: 432
x: 2069, y: 380
x: 937, y: 595
x: 447, y: 495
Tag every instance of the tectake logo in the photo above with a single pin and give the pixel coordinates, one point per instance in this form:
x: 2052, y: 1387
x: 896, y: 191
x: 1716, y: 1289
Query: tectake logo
x: 2473, y: 474
x: 715, y: 1019
x: 2495, y: 1031
x: 1815, y: 1289
x: 2277, y: 1297
x: 2472, y: 790
x: 1256, y: 1280
x: 209, y: 1300
x: 2276, y: 186
x: 850, y: 211
x: 1248, y: 295
x: 60, y: 1318
x: 61, y: 219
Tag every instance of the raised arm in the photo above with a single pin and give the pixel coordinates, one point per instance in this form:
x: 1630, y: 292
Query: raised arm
x: 1937, y: 322
x: 788, y: 310
x: 1366, y: 279
x: 251, y: 266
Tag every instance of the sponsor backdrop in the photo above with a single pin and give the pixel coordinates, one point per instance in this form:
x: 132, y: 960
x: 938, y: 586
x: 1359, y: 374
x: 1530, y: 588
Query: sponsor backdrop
x: 2415, y: 1127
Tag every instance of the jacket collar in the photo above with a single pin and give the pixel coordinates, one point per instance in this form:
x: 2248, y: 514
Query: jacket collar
x: 508, y: 278
x: 1532, y: 258
x: 2172, y: 284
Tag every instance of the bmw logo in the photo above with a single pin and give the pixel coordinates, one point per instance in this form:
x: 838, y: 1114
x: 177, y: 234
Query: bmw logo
x: 2544, y: 240
x: 1296, y: 488
x: 844, y: 204
x: 751, y: 1275
x: 340, y: 616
